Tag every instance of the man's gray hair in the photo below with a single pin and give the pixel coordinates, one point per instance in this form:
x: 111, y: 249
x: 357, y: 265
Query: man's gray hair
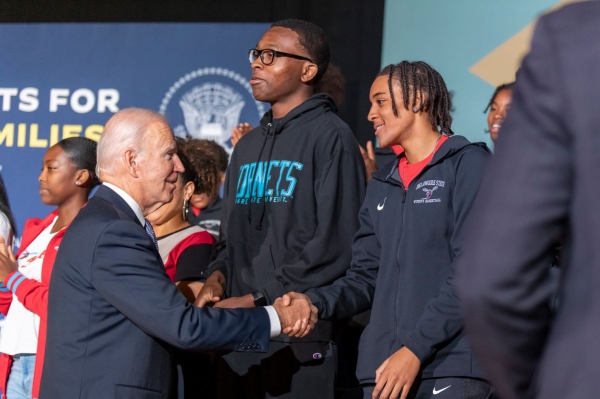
x: 125, y: 130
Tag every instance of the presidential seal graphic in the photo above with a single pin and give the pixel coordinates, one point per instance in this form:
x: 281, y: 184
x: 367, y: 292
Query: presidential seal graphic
x: 208, y: 103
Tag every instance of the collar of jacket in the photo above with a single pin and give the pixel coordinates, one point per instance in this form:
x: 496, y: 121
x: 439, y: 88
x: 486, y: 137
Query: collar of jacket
x: 452, y: 146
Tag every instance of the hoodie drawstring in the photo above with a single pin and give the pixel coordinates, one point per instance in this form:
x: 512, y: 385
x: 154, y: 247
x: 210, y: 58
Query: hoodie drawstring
x: 256, y: 170
x: 262, y: 204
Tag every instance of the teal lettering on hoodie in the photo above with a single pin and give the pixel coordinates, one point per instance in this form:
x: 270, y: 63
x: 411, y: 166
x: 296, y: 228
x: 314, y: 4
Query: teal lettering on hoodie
x: 256, y: 181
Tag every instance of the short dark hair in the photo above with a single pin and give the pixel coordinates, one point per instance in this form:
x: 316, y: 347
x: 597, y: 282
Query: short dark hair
x: 204, y: 161
x: 313, y: 39
x: 420, y: 79
x: 5, y: 206
x: 505, y: 86
x: 82, y: 152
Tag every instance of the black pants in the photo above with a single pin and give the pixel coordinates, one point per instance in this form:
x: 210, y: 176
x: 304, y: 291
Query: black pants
x: 279, y: 373
x: 440, y: 388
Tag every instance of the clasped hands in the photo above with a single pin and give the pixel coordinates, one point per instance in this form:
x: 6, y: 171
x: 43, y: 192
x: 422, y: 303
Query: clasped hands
x: 296, y: 312
x: 8, y: 263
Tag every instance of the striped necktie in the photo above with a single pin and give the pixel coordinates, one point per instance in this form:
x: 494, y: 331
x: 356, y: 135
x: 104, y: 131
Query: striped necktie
x: 150, y: 232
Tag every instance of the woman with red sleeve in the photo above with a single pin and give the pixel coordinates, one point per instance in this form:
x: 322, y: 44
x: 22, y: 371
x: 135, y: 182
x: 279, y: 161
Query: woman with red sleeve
x: 186, y: 251
x: 67, y: 177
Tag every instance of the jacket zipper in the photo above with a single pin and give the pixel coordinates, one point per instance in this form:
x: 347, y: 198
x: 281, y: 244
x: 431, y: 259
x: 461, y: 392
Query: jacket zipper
x: 404, y: 192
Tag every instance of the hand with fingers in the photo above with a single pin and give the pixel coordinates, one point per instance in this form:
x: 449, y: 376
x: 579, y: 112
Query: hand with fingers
x: 297, y: 314
x: 8, y: 263
x: 396, y: 375
x: 238, y: 131
x: 368, y: 155
x: 212, y: 291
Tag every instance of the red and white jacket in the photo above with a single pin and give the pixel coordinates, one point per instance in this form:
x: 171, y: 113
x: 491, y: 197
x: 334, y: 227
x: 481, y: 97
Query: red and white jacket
x: 32, y: 294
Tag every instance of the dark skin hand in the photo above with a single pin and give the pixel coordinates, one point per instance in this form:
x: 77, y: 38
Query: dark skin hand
x: 368, y: 155
x: 212, y: 290
x: 246, y: 301
x: 239, y: 131
x: 8, y: 263
x: 396, y: 375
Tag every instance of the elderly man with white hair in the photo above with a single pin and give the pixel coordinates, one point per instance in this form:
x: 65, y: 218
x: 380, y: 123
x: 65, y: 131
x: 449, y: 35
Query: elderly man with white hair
x: 113, y: 314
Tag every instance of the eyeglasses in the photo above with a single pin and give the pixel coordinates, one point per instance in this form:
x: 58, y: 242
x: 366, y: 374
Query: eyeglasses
x: 267, y: 56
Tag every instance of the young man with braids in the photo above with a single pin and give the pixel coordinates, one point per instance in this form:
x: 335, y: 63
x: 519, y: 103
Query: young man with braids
x: 293, y: 191
x: 412, y: 228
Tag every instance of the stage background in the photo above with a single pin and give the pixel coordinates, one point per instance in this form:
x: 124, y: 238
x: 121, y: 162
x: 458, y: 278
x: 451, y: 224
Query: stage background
x: 79, y: 57
x: 476, y: 45
x: 70, y: 78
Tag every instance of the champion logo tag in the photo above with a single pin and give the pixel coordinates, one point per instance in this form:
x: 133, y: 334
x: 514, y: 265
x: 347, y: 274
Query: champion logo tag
x: 317, y: 356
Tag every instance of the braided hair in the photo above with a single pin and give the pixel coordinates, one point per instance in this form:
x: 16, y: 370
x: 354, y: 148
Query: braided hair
x: 5, y: 206
x: 505, y: 86
x: 419, y: 80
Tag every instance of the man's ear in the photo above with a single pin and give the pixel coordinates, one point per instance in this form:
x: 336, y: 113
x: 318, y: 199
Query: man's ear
x: 131, y: 160
x: 309, y: 71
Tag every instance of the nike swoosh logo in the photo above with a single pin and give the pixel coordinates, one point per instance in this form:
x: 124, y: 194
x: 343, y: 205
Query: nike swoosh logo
x: 380, y: 206
x: 443, y: 389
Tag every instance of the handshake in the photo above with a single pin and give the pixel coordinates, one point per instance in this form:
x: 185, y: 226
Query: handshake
x: 296, y: 312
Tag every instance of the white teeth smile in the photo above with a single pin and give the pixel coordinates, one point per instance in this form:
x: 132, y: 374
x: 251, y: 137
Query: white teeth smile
x: 496, y: 126
x: 378, y: 127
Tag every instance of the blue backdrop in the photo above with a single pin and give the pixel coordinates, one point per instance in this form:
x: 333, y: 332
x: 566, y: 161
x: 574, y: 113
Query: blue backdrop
x: 62, y: 80
x: 475, y: 45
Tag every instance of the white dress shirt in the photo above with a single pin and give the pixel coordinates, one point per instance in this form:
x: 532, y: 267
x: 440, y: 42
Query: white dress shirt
x: 273, y: 318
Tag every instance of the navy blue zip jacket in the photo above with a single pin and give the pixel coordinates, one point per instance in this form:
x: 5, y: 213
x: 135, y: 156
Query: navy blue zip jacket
x: 402, y: 264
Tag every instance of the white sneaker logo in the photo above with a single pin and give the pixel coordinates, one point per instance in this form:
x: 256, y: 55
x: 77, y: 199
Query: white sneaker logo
x: 380, y: 206
x: 443, y: 389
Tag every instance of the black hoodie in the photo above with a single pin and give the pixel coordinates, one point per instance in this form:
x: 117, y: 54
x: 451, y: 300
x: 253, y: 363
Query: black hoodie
x: 288, y: 223
x: 403, y: 264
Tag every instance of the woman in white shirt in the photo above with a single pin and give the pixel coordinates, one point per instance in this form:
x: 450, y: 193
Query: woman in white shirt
x: 67, y: 177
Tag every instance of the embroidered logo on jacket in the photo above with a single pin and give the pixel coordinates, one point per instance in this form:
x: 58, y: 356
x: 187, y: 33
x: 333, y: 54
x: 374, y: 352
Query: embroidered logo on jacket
x: 429, y: 191
x: 272, y: 181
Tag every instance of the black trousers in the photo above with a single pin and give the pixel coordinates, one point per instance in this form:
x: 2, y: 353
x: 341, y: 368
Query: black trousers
x: 437, y: 388
x: 283, y: 372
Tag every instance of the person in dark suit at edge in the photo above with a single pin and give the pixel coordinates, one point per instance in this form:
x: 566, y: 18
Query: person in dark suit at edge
x: 113, y: 313
x: 540, y: 185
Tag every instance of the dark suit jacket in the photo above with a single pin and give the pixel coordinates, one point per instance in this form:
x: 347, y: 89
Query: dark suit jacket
x: 114, y: 315
x: 541, y: 185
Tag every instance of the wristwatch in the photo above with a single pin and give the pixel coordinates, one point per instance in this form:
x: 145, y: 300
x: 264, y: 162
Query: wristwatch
x: 259, y: 299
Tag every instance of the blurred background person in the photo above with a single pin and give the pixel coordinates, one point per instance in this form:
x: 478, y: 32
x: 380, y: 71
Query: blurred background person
x: 8, y: 228
x: 7, y: 223
x: 68, y: 175
x: 498, y: 107
x: 209, y: 160
x: 186, y: 251
x: 539, y: 186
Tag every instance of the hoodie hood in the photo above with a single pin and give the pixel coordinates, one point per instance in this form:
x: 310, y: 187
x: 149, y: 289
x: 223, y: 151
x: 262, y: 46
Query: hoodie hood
x: 321, y: 100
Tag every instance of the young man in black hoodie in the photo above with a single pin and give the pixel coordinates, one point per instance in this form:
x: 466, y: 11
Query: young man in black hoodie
x: 293, y: 191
